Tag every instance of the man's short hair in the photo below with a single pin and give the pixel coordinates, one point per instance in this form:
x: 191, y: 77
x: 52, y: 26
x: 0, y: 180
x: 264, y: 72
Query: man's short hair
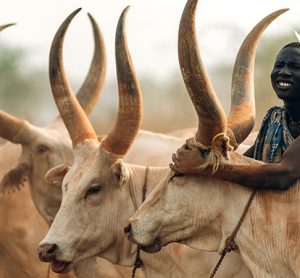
x: 292, y: 44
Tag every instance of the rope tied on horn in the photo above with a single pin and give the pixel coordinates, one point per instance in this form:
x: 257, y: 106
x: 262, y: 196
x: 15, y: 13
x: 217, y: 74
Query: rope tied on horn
x: 216, y: 154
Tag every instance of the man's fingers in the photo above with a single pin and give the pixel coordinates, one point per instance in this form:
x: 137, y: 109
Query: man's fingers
x: 190, y: 143
x: 173, y: 168
x: 179, y: 151
x: 185, y: 147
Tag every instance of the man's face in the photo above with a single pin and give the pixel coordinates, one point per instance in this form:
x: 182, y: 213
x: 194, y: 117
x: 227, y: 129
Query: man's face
x: 285, y: 75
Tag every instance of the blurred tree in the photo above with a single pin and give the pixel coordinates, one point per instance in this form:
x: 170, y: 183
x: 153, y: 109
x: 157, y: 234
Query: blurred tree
x: 264, y: 94
x: 21, y: 84
x: 25, y: 90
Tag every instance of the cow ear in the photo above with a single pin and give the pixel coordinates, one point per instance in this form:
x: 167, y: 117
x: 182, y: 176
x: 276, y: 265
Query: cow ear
x: 120, y: 172
x: 15, y: 178
x: 56, y: 175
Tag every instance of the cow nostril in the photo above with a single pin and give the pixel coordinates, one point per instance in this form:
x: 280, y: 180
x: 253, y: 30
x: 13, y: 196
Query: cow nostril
x: 127, y: 229
x: 51, y: 248
x: 47, y: 252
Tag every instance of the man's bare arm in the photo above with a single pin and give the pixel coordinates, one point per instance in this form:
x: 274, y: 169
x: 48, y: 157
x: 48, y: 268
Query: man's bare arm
x: 264, y: 176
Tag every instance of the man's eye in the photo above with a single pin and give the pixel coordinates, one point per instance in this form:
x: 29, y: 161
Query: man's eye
x: 93, y: 190
x: 278, y: 64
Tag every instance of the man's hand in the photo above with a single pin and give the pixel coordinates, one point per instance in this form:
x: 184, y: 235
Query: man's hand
x: 188, y: 158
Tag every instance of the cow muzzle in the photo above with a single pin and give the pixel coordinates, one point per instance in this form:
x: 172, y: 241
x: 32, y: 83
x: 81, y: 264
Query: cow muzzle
x: 48, y: 253
x: 152, y: 247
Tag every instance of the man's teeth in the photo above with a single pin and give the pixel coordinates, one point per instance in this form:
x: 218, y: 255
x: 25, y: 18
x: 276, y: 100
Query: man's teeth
x: 284, y: 84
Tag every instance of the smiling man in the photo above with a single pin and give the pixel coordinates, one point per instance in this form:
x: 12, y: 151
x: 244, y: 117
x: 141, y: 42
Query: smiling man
x: 280, y: 127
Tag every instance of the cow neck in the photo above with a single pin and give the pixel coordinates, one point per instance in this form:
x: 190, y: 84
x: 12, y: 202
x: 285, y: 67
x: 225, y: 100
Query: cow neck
x: 138, y: 185
x: 230, y: 244
x: 142, y: 181
x: 239, y: 204
x: 138, y: 261
x: 134, y: 190
x: 232, y: 200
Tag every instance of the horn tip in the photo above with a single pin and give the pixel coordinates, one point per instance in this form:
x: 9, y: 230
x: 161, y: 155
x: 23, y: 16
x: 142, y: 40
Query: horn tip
x: 126, y: 9
x: 2, y: 27
x: 90, y: 17
x: 77, y: 11
x: 284, y: 10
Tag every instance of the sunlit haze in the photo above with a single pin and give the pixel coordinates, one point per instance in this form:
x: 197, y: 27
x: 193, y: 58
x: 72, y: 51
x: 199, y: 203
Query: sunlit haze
x: 151, y: 29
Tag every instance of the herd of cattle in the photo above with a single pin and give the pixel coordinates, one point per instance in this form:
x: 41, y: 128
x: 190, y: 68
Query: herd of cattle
x: 66, y: 194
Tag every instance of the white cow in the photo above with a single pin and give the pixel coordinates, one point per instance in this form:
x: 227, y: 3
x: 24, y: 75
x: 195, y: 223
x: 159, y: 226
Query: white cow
x: 25, y: 165
x: 44, y: 147
x: 203, y: 212
x: 100, y: 191
x: 21, y: 226
x: 15, y: 238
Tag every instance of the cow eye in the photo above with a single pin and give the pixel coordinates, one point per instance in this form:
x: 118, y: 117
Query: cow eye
x: 93, y: 190
x: 42, y: 148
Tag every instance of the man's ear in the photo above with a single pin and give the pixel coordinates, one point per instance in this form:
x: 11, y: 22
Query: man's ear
x: 15, y: 178
x: 120, y: 172
x: 56, y: 175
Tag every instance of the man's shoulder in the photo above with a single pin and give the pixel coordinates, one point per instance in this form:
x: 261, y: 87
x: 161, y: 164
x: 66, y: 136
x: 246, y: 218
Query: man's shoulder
x: 275, y: 109
x: 274, y: 112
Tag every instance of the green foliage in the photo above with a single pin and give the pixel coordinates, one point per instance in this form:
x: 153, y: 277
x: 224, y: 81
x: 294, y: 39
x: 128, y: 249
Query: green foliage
x: 25, y: 91
x: 13, y: 81
x: 20, y: 83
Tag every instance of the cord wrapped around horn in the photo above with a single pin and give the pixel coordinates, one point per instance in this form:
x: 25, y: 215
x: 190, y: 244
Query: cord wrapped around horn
x: 212, y: 122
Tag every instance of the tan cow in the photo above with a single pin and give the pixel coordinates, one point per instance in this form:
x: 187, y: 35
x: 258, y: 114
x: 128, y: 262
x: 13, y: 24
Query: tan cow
x: 44, y: 147
x: 14, y: 238
x: 100, y: 191
x: 268, y: 239
x: 21, y: 226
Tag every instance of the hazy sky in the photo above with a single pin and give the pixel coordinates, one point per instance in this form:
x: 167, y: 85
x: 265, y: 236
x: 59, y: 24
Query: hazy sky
x: 152, y: 28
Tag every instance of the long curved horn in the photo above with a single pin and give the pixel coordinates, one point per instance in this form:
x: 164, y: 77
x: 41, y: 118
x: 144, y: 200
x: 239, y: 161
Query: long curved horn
x: 89, y: 92
x: 242, y: 113
x: 211, y: 116
x: 87, y: 95
x: 129, y: 117
x: 10, y: 126
x: 69, y: 108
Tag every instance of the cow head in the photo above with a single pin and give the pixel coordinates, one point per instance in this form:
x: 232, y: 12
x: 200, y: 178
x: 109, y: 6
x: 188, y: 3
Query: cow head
x: 186, y: 208
x: 93, y: 195
x: 46, y: 147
